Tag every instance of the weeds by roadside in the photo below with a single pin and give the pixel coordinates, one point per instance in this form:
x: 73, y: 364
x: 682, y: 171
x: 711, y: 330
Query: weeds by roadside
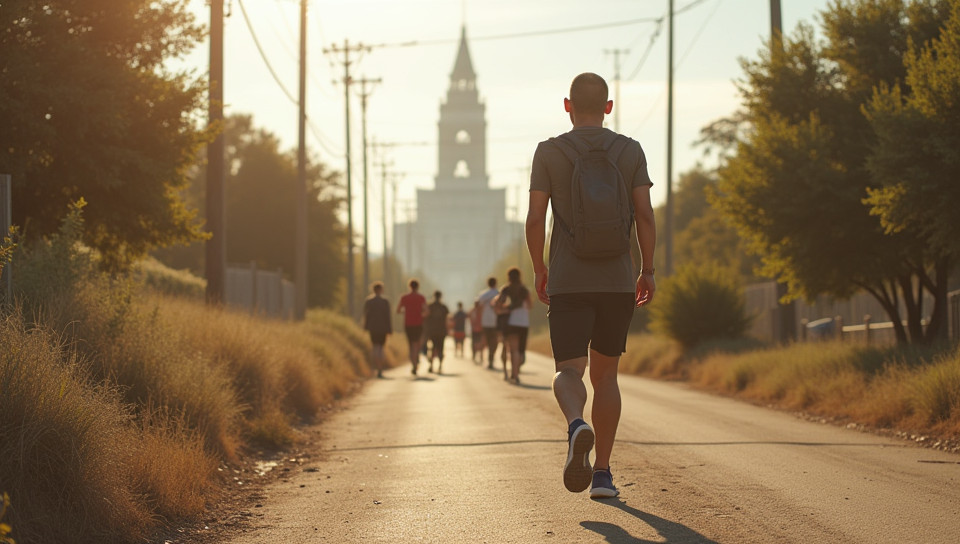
x: 913, y: 391
x: 119, y: 406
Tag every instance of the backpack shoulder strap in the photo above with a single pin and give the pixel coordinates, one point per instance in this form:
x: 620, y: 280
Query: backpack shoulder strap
x: 617, y: 146
x: 566, y: 147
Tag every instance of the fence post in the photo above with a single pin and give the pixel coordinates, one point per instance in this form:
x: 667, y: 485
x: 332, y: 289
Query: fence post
x: 6, y: 219
x: 803, y: 329
x: 866, y: 327
x: 838, y: 321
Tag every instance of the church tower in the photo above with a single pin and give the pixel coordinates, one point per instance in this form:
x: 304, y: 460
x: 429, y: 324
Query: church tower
x: 460, y: 231
x: 462, y: 153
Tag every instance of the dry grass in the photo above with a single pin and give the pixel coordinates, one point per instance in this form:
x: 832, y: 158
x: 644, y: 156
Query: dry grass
x: 909, y: 389
x: 117, y: 404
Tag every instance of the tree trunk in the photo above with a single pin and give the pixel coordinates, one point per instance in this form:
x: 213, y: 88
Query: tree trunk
x: 888, y: 301
x: 937, y: 329
x: 913, y: 305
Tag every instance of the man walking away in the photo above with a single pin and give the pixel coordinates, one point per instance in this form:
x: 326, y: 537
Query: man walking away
x: 376, y: 320
x: 414, y: 308
x: 489, y: 318
x: 590, y: 176
x: 459, y: 329
x: 436, y: 328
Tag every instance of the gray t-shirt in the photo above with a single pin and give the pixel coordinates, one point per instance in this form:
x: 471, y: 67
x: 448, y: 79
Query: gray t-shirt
x: 551, y: 174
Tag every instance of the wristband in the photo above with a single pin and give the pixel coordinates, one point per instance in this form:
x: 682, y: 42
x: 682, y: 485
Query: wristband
x: 647, y: 271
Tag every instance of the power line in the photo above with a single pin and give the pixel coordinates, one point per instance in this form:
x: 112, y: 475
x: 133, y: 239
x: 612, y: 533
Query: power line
x: 529, y: 34
x: 699, y: 32
x: 646, y: 52
x: 263, y: 55
x: 656, y: 103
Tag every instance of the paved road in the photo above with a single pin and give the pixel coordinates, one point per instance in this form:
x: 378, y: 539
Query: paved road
x: 465, y: 457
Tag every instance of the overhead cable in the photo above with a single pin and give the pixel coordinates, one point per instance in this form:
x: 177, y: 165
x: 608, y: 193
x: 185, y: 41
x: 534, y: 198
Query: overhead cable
x: 263, y: 55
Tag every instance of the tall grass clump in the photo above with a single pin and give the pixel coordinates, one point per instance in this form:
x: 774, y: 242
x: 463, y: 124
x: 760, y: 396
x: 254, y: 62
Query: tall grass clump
x: 118, y: 403
x: 699, y: 304
x: 934, y: 393
x: 63, y: 445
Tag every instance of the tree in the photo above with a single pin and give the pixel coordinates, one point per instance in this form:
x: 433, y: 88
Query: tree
x: 703, y: 237
x: 916, y: 157
x: 795, y: 185
x: 91, y: 111
x: 260, y: 194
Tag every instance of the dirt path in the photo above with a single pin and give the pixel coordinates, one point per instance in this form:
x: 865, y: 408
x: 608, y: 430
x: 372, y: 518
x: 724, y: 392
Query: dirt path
x: 465, y: 457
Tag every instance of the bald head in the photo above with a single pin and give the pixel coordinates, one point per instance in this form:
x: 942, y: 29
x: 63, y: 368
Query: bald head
x: 588, y: 93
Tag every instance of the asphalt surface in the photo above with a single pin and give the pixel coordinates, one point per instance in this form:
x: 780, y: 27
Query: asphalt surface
x: 466, y: 457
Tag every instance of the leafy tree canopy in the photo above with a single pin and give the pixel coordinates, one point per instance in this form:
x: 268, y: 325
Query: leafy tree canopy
x: 91, y: 111
x: 795, y: 181
x: 260, y: 190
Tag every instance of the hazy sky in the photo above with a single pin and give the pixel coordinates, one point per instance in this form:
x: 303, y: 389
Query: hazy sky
x: 523, y: 80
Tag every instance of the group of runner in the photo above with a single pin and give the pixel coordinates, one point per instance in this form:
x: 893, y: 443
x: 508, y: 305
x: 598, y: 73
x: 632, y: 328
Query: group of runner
x: 502, y: 317
x: 497, y: 317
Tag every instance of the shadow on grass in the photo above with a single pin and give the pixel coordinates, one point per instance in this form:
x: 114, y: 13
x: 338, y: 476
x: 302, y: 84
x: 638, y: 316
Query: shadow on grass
x: 669, y: 531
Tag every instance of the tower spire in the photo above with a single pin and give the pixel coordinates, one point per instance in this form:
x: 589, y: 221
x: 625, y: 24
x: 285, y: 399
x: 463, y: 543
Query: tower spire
x: 463, y: 66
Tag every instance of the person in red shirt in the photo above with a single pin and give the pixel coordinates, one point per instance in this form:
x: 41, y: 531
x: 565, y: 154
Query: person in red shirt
x: 413, y: 305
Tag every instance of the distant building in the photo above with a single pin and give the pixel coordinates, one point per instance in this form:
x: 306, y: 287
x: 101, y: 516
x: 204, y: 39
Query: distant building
x: 461, y: 228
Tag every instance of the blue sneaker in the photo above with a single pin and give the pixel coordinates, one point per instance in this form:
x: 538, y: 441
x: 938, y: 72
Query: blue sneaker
x: 577, y: 471
x: 602, y: 487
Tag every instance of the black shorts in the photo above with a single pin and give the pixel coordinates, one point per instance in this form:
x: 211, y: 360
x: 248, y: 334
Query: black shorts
x: 521, y: 332
x: 414, y: 333
x: 599, y: 321
x: 378, y: 338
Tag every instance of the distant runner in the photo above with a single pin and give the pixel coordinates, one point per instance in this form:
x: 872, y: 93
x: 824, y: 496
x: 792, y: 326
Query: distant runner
x: 436, y: 329
x: 514, y: 299
x: 489, y: 319
x: 476, y: 326
x: 459, y: 329
x: 414, y: 308
x: 376, y: 320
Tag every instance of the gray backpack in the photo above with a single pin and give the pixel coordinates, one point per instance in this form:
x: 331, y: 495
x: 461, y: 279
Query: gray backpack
x: 602, y: 209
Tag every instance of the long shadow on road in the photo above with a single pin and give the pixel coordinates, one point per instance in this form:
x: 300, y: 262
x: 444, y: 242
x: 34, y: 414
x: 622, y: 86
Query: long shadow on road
x: 670, y: 531
x: 637, y: 443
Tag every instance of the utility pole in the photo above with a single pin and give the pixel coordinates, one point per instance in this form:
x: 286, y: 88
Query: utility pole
x: 300, y: 237
x: 788, y: 313
x: 216, y: 247
x: 384, y: 165
x: 364, y: 95
x: 346, y: 50
x: 616, y: 84
x: 668, y: 220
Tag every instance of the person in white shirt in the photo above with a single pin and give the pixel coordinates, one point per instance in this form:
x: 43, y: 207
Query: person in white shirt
x: 489, y: 318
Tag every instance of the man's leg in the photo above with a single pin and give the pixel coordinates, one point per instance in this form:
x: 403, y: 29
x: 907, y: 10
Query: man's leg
x: 606, y: 404
x: 568, y: 387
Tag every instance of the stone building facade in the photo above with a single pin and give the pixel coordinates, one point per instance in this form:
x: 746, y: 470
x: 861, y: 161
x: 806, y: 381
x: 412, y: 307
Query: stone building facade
x: 461, y: 228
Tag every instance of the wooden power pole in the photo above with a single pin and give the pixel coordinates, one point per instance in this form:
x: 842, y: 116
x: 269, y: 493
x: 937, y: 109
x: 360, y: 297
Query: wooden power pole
x: 364, y: 95
x: 300, y: 236
x: 215, y: 263
x: 346, y: 50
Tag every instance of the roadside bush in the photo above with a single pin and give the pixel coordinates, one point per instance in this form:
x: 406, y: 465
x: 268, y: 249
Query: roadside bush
x: 699, y: 304
x: 168, y: 281
x: 117, y: 403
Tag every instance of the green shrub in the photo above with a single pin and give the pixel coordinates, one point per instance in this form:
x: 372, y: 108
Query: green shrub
x: 165, y: 280
x: 699, y: 304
